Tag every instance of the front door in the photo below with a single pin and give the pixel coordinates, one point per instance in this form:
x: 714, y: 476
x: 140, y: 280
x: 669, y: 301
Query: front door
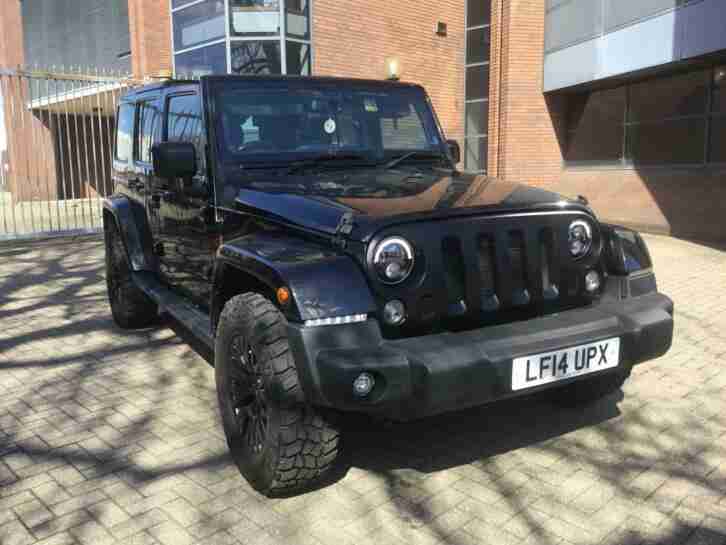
x: 187, y: 238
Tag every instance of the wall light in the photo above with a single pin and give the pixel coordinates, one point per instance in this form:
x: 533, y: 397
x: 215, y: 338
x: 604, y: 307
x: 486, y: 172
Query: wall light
x: 719, y: 76
x: 393, y: 68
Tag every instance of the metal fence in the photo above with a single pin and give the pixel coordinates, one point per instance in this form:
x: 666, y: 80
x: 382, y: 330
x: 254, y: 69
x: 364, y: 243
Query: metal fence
x: 59, y: 126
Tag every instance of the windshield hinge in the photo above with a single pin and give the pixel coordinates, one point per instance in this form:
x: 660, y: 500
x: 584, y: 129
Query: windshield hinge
x: 344, y: 228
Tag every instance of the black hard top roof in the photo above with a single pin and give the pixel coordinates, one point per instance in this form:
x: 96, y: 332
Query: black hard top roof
x: 299, y: 81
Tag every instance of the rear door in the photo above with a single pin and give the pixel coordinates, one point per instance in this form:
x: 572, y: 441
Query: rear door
x: 187, y: 232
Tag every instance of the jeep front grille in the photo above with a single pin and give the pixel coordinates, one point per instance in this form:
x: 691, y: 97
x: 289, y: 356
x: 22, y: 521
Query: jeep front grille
x: 492, y: 269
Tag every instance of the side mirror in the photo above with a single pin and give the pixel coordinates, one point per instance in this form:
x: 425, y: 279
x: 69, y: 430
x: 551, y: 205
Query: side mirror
x: 174, y: 160
x: 454, y: 151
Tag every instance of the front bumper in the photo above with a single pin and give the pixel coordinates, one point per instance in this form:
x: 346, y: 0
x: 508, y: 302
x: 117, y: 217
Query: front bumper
x: 427, y: 375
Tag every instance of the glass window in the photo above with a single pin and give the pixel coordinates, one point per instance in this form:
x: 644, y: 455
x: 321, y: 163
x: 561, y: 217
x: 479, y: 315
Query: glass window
x: 718, y: 140
x: 681, y: 95
x: 202, y: 62
x: 185, y: 123
x: 147, y: 135
x: 297, y: 19
x: 478, y: 45
x: 477, y: 82
x: 676, y: 142
x: 595, y: 122
x: 179, y: 3
x: 479, y: 12
x: 718, y: 103
x: 198, y: 24
x: 319, y: 120
x: 404, y: 130
x: 124, y: 130
x: 254, y: 17
x: 477, y: 118
x: 475, y: 154
x: 298, y: 58
x: 256, y: 58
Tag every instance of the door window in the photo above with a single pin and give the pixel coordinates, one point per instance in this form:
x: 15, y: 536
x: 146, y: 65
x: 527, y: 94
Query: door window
x: 146, y: 135
x: 185, y: 124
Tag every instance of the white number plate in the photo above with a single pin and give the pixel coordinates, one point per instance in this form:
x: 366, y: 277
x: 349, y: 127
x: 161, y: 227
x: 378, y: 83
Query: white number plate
x: 547, y: 367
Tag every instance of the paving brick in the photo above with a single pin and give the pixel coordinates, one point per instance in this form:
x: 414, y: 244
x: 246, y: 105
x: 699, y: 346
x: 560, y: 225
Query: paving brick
x: 14, y: 533
x: 74, y: 504
x: 33, y: 513
x: 169, y: 533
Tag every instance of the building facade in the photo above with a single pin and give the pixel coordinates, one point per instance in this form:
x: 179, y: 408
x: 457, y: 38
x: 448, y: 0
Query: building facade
x: 622, y: 102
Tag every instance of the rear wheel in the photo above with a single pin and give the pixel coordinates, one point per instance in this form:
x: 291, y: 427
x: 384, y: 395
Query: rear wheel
x: 588, y: 391
x: 280, y: 444
x: 131, y: 308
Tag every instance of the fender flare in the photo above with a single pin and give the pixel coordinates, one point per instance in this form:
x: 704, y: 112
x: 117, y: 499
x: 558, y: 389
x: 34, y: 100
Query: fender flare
x: 130, y: 219
x: 324, y: 283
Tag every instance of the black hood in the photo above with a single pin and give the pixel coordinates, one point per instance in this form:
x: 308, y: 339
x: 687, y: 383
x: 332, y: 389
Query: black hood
x: 377, y: 198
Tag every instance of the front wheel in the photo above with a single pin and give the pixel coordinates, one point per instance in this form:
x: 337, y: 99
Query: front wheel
x: 588, y: 391
x: 280, y: 444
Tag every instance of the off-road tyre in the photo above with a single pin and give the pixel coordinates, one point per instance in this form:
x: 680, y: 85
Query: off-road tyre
x: 131, y: 308
x: 588, y: 391
x: 281, y: 445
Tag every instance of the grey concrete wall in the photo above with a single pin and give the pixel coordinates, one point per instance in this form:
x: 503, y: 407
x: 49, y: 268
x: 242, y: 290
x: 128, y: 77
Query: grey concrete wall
x: 613, y: 38
x: 87, y: 33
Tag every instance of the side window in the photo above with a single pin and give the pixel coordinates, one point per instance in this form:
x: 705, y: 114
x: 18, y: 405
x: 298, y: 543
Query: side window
x: 147, y: 133
x: 124, y: 130
x: 185, y: 124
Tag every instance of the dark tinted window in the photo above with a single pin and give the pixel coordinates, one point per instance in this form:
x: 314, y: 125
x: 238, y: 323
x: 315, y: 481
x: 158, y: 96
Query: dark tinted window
x: 595, y: 122
x: 680, y: 141
x: 478, y: 45
x: 124, y: 131
x: 147, y: 134
x: 184, y: 123
x: 479, y: 12
x: 477, y: 82
x: 718, y: 140
x: 676, y: 96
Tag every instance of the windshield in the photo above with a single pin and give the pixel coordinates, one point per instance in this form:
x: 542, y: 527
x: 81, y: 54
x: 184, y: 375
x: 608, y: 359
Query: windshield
x: 282, y: 125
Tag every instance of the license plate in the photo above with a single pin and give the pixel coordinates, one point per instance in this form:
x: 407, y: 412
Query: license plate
x: 538, y: 369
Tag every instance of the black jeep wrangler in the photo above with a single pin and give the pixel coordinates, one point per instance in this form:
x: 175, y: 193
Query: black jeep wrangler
x: 316, y: 235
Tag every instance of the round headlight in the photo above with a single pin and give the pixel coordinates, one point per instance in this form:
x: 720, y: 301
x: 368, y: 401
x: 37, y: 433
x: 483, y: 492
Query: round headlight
x: 580, y: 238
x: 393, y: 260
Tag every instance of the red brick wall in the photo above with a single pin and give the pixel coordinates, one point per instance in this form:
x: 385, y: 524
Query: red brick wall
x: 150, y: 29
x: 353, y: 38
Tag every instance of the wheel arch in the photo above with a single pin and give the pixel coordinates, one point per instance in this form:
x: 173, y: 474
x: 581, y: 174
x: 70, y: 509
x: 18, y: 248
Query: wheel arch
x: 130, y: 220
x: 323, y: 282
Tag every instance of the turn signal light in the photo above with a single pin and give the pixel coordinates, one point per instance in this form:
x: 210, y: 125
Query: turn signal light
x: 283, y: 296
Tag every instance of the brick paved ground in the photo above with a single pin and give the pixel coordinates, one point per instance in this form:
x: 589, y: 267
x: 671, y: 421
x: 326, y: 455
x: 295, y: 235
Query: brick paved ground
x: 108, y: 436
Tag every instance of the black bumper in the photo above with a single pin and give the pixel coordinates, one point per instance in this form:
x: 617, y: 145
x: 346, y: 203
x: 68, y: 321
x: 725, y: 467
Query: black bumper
x: 433, y: 374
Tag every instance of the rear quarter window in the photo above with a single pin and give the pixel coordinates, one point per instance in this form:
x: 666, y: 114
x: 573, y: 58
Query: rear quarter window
x: 124, y: 132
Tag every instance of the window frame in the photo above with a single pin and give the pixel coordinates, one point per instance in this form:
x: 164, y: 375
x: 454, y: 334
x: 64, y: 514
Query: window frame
x: 201, y: 153
x: 476, y: 138
x: 627, y: 163
x: 229, y: 38
x: 135, y: 144
x: 128, y: 159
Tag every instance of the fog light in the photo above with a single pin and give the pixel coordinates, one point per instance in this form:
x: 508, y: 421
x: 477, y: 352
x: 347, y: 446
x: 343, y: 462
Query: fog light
x: 363, y: 384
x: 394, y: 313
x: 592, y: 281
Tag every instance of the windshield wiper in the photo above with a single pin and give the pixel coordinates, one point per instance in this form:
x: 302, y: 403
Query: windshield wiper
x: 320, y: 160
x: 419, y: 154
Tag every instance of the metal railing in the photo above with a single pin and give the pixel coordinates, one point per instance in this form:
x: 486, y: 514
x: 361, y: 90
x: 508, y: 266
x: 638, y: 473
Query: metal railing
x: 59, y: 127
